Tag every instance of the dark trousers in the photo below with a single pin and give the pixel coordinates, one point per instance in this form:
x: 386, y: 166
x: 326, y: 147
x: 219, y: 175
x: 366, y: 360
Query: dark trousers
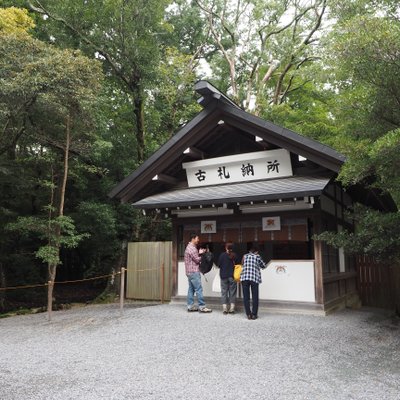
x: 228, y: 291
x: 247, y: 285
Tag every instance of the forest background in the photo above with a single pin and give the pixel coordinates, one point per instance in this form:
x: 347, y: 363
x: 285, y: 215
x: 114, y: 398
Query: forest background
x: 89, y: 89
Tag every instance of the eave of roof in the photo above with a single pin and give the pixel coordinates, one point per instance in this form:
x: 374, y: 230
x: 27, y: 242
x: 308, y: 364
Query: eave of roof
x: 296, y: 186
x: 285, y: 138
x: 176, y: 145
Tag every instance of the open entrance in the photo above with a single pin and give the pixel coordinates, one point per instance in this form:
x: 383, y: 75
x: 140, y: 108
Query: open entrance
x: 291, y: 242
x: 288, y: 251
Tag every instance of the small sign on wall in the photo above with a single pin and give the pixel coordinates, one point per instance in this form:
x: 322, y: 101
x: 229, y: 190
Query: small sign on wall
x: 271, y: 224
x: 208, y: 226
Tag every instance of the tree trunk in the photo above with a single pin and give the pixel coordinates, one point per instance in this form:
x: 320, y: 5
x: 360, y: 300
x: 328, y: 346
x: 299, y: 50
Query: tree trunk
x: 2, y: 285
x: 396, y: 284
x: 55, y: 240
x: 50, y: 289
x: 140, y: 127
x: 136, y: 91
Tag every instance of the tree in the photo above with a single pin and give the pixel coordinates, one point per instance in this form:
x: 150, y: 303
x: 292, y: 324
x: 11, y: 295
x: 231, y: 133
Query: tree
x: 262, y: 46
x: 47, y: 96
x: 15, y: 21
x: 365, y: 68
x: 122, y: 34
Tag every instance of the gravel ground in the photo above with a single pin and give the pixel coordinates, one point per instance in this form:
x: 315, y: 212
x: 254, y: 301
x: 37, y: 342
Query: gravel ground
x: 164, y: 352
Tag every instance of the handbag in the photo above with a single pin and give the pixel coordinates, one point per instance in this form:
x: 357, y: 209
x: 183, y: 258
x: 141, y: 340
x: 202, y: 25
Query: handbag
x: 236, y: 272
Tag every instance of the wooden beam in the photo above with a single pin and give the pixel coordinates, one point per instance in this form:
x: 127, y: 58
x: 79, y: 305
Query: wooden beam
x: 166, y: 179
x: 194, y: 153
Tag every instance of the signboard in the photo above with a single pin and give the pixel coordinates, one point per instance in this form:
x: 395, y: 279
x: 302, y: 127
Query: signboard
x: 271, y: 224
x: 239, y: 168
x: 208, y: 226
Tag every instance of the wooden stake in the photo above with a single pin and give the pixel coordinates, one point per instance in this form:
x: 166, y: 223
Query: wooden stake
x: 49, y: 300
x: 122, y: 293
x: 162, y: 283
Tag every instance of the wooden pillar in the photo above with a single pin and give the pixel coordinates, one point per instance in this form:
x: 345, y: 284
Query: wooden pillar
x: 174, y: 269
x: 318, y: 266
x: 162, y: 282
x: 122, y: 289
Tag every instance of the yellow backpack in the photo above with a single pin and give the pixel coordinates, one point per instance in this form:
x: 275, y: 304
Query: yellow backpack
x: 236, y: 272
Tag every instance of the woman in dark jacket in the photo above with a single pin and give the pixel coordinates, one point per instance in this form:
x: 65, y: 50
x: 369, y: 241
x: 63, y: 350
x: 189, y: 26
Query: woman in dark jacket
x: 226, y: 264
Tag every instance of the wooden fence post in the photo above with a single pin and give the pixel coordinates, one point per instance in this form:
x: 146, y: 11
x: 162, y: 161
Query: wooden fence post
x: 49, y: 300
x: 122, y: 289
x: 162, y: 283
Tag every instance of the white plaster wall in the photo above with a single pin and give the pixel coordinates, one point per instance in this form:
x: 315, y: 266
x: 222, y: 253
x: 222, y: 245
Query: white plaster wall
x: 286, y: 280
x: 206, y: 280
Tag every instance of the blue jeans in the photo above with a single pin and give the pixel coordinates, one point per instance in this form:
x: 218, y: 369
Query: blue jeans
x: 195, y: 287
x: 247, y: 285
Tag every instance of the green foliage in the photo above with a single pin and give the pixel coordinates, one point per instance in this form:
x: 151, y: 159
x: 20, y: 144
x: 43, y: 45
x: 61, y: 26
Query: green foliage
x: 377, y: 234
x: 368, y: 73
x: 39, y: 86
x: 364, y: 73
x: 308, y: 112
x: 57, y: 232
x: 256, y: 49
x: 15, y: 21
x: 102, y: 246
x: 124, y: 35
x: 45, y: 92
x: 173, y: 101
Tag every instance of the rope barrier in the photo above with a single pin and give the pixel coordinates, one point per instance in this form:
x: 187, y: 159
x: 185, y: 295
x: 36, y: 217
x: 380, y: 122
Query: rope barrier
x: 58, y: 283
x: 88, y: 279
x: 79, y: 280
x: 23, y: 287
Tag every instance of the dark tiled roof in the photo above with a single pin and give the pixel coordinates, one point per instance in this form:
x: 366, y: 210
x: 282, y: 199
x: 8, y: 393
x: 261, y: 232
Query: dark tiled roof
x: 297, y: 186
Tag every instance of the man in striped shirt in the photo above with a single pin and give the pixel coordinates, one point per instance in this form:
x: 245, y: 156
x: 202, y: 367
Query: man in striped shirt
x: 192, y: 262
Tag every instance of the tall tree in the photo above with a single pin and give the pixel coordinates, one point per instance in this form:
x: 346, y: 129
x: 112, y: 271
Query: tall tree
x: 124, y: 34
x: 47, y: 97
x: 262, y: 45
x: 365, y: 67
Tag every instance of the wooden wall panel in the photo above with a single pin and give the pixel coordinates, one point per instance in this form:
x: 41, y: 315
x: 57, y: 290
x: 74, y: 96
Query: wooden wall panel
x: 149, y: 271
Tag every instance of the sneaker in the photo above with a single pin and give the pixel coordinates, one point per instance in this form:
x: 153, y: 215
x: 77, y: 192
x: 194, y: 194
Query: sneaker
x: 205, y: 310
x: 193, y: 308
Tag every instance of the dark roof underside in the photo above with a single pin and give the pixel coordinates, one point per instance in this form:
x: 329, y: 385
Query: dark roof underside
x: 298, y: 186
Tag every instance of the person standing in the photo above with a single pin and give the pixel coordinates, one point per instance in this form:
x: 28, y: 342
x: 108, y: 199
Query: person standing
x: 250, y: 279
x: 192, y: 261
x: 226, y: 264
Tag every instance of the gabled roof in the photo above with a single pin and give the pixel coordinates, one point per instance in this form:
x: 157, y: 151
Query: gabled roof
x: 217, y: 107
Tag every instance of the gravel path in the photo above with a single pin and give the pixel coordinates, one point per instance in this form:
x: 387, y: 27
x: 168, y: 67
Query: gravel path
x: 164, y: 352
